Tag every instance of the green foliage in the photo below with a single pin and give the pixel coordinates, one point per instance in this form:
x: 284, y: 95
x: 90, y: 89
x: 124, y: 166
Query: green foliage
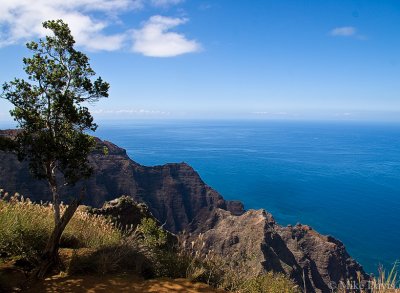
x: 153, y: 235
x: 105, y: 150
x: 50, y: 107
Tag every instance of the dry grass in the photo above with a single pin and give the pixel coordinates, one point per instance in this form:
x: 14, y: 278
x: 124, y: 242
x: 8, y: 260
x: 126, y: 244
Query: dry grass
x: 25, y: 228
x: 385, y: 282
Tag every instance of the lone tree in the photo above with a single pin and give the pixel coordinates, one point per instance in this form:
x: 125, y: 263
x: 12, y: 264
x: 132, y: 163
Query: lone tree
x: 53, y: 121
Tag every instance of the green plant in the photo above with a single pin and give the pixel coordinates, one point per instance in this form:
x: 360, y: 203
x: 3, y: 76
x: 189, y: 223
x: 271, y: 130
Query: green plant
x: 153, y: 235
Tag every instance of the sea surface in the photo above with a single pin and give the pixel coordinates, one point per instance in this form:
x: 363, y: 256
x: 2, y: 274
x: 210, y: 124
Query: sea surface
x: 341, y: 178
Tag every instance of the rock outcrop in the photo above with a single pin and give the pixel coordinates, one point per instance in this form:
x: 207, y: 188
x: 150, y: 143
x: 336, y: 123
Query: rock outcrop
x: 128, y: 214
x: 124, y: 212
x: 256, y: 241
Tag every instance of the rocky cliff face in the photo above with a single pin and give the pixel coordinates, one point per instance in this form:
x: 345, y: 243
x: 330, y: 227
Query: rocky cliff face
x: 176, y: 196
x: 313, y: 261
x: 174, y: 193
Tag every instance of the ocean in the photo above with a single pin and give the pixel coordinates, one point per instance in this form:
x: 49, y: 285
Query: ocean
x: 341, y: 178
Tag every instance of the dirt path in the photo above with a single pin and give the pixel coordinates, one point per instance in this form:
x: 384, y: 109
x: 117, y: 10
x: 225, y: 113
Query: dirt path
x: 120, y: 283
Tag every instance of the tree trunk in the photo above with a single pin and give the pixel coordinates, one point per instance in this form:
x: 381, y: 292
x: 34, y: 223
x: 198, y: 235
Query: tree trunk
x: 51, y: 178
x: 50, y: 256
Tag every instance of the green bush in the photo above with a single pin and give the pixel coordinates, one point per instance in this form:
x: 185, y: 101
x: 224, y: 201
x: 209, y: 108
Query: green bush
x: 153, y: 236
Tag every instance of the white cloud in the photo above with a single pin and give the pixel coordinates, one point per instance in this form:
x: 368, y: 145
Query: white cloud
x: 345, y: 31
x: 165, y: 3
x: 21, y: 20
x: 155, y: 40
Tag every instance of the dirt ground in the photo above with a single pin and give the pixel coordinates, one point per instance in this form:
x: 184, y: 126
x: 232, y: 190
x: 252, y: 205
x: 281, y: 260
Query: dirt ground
x: 12, y: 278
x: 117, y: 284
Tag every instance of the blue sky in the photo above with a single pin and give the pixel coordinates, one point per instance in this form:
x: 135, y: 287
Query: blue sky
x: 225, y: 59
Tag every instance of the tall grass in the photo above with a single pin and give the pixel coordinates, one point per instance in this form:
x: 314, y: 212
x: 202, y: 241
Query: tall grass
x: 385, y: 282
x: 25, y: 228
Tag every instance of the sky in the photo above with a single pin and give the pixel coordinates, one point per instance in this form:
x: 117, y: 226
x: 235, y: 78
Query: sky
x: 259, y: 59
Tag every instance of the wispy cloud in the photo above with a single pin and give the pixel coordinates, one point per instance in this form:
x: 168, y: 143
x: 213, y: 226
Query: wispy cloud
x: 89, y: 20
x: 281, y: 113
x: 138, y: 112
x: 165, y: 3
x: 345, y: 31
x: 156, y: 40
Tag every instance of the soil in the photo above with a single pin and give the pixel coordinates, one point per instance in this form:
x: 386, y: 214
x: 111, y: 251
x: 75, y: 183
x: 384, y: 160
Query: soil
x: 12, y: 278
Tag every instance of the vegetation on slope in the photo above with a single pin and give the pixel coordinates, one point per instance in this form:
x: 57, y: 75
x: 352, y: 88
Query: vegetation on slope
x: 94, y: 245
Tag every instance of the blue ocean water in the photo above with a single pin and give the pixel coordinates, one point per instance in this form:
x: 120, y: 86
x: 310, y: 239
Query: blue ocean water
x: 341, y: 178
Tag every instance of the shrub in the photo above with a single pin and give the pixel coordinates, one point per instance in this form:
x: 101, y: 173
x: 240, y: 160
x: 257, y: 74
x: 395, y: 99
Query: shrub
x: 153, y: 236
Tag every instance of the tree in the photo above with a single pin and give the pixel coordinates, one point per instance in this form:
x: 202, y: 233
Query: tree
x: 53, y: 121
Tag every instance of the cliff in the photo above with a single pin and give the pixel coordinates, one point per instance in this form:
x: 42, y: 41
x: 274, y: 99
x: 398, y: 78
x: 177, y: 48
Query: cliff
x: 174, y: 193
x: 176, y: 196
x: 312, y: 260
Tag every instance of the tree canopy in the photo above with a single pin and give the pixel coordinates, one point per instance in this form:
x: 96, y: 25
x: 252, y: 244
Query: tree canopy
x: 50, y: 109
